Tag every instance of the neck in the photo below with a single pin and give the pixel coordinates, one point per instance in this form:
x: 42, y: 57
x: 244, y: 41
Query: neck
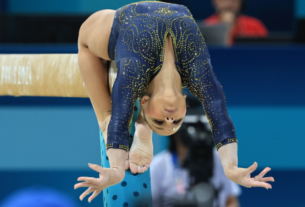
x: 168, y: 79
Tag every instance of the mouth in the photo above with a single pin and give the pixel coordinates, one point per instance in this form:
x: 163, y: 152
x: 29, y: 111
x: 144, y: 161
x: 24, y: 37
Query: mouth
x: 170, y: 111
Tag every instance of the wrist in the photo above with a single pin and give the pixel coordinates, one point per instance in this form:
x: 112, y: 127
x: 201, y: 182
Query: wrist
x: 117, y: 158
x: 119, y: 174
x: 228, y: 170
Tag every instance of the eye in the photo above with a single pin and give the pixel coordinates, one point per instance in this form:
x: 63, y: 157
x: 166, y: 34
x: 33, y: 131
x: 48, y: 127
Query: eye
x: 178, y: 121
x: 158, y: 122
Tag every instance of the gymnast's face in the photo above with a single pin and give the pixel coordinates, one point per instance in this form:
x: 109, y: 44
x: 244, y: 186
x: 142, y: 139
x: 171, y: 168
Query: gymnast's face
x: 164, y: 114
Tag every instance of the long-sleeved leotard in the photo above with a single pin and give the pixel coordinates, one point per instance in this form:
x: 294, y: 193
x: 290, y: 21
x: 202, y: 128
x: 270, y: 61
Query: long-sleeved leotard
x: 137, y: 43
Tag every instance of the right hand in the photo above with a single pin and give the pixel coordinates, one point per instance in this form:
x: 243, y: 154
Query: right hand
x: 107, y: 176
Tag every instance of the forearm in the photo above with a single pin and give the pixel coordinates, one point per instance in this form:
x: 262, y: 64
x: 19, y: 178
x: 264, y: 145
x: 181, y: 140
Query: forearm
x: 94, y: 72
x: 228, y: 157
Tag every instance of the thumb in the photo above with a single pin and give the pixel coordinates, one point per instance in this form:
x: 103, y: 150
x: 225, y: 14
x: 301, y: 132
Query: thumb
x: 252, y: 168
x: 96, y: 167
x: 133, y: 168
x: 127, y: 162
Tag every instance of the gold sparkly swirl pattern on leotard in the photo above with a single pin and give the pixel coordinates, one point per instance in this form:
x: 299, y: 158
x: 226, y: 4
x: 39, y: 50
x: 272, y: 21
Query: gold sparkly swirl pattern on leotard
x: 139, y: 55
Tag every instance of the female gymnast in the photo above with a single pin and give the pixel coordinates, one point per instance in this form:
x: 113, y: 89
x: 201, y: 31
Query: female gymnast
x: 158, y: 49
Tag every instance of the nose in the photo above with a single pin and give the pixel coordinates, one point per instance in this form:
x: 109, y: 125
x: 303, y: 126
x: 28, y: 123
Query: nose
x: 170, y: 120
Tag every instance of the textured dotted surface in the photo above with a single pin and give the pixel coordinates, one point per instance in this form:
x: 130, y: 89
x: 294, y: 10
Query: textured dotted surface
x: 133, y: 190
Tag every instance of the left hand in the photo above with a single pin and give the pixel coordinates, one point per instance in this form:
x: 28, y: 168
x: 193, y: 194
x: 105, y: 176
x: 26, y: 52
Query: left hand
x: 242, y: 177
x: 107, y: 177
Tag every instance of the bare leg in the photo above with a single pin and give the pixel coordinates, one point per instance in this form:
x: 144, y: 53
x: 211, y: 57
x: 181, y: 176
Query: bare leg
x: 94, y: 72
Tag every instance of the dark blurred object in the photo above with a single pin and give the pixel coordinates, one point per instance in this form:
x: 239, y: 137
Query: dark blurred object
x: 300, y: 31
x: 199, y: 163
x: 214, y: 34
x: 199, y: 160
x: 38, y: 196
x: 40, y: 28
x: 195, y: 134
x: 272, y: 38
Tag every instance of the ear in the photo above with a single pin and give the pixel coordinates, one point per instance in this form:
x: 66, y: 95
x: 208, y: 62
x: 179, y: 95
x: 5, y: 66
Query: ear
x: 184, y: 95
x: 144, y: 100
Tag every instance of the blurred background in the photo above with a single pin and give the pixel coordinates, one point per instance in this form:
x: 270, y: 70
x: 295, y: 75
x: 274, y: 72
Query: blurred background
x: 258, y: 55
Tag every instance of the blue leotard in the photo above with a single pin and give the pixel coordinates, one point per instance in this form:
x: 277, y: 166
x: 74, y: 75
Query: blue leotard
x: 137, y: 44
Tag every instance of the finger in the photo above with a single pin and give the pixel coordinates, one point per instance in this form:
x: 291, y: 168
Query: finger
x: 88, y: 180
x: 133, y: 168
x: 84, y: 194
x: 252, y: 168
x: 144, y: 169
x: 96, y: 167
x: 268, y: 179
x: 95, y: 193
x: 84, y: 184
x: 260, y: 184
x: 139, y: 169
x: 126, y: 164
x: 263, y: 173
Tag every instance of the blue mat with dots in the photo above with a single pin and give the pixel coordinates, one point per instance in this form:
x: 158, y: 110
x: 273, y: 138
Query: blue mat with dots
x: 134, y: 190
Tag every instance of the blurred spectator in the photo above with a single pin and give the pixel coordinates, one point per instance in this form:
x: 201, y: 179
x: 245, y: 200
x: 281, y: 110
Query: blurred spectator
x: 38, y: 196
x: 191, y: 161
x: 229, y: 12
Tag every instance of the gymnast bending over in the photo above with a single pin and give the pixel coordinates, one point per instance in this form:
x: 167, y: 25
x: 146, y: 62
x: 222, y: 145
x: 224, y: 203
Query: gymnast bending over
x: 158, y: 49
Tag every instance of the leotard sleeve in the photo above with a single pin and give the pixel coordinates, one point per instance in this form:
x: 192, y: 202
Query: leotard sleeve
x: 203, y: 83
x: 123, y: 98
